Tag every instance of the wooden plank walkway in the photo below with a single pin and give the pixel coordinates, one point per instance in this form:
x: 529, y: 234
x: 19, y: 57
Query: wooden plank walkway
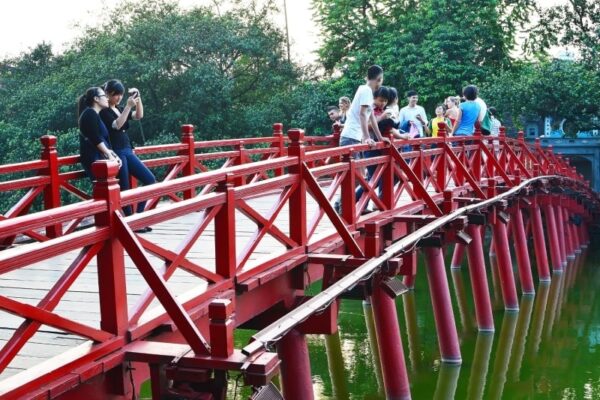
x: 30, y: 284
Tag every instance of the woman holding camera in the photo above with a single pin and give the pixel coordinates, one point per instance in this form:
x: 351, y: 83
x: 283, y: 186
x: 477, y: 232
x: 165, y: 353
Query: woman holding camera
x: 117, y: 119
x: 94, y: 141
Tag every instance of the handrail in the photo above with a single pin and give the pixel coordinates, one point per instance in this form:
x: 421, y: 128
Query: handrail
x: 280, y: 327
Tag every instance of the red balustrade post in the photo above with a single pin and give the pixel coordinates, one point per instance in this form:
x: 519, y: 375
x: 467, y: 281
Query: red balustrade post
x: 111, y: 262
x: 505, y: 267
x: 337, y: 131
x: 502, y: 141
x: 52, y: 190
x: 478, y: 159
x: 297, y: 202
x: 240, y: 160
x: 296, y: 378
x: 441, y: 170
x: 279, y: 143
x: 442, y: 306
x: 520, y: 240
x: 537, y: 229
x: 225, y: 246
x: 220, y: 312
x: 187, y: 138
x: 112, y: 290
x: 391, y: 352
x: 348, y: 197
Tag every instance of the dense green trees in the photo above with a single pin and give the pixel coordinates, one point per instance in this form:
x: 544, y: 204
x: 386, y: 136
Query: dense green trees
x: 226, y: 73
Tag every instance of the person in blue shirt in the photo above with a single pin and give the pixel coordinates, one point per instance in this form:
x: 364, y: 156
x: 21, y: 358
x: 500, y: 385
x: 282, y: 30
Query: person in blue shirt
x: 468, y: 113
x: 94, y: 142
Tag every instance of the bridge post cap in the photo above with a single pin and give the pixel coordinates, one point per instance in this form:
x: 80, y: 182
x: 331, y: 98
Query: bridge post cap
x: 296, y: 135
x: 187, y: 129
x: 278, y: 127
x: 521, y: 134
x: 48, y: 141
x: 502, y: 131
x: 105, y: 169
x: 220, y: 309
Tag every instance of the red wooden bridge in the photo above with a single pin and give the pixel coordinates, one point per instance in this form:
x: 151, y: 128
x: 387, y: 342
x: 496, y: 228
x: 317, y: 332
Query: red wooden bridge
x: 91, y: 309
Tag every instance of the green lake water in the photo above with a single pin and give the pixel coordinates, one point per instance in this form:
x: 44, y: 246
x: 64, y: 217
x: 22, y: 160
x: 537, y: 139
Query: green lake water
x: 547, y: 350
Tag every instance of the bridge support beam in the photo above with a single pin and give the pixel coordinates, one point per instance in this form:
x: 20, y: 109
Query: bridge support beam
x: 458, y: 255
x: 479, y: 282
x: 557, y: 207
x: 523, y: 264
x: 552, y: 236
x: 442, y: 306
x: 295, y: 367
x: 539, y: 242
x: 505, y: 268
x: 391, y: 352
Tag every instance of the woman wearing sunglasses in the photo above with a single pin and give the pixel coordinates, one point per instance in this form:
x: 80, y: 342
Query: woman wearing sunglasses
x: 94, y: 142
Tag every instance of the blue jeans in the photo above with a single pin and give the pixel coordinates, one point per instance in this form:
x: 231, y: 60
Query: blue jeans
x: 370, y: 172
x: 346, y: 141
x: 133, y: 166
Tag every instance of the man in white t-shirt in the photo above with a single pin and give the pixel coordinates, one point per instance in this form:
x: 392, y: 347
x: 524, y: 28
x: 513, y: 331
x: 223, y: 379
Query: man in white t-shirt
x: 360, y: 115
x: 413, y: 114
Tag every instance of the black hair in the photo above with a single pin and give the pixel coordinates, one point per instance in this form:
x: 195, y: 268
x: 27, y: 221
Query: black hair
x: 383, y: 92
x: 493, y: 111
x: 411, y: 93
x: 87, y: 99
x: 470, y: 92
x: 440, y: 105
x: 114, y: 86
x: 393, y: 94
x: 374, y: 72
x: 332, y: 108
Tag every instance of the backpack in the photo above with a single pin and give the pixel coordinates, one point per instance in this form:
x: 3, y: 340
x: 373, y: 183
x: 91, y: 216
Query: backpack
x: 486, y: 124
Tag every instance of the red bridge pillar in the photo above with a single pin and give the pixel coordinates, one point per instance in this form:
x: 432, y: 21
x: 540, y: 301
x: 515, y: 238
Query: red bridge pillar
x: 295, y: 367
x: 520, y: 238
x: 505, y: 267
x: 539, y: 242
x: 442, y: 306
x: 391, y: 352
x: 552, y: 232
x: 479, y: 283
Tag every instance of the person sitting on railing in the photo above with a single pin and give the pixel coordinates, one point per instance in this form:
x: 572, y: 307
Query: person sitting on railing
x: 116, y: 118
x: 468, y: 113
x: 94, y: 141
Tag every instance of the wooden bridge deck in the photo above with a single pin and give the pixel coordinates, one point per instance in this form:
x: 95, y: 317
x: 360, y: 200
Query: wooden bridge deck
x: 30, y: 284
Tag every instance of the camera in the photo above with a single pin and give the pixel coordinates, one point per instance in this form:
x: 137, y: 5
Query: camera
x: 133, y: 92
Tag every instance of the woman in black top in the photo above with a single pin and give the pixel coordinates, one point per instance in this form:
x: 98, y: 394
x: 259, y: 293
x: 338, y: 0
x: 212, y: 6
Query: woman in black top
x: 94, y: 143
x: 116, y: 118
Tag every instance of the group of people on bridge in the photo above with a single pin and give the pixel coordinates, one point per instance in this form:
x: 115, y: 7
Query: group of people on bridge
x: 374, y: 115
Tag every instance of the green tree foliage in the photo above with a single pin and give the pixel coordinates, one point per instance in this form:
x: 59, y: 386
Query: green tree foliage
x: 559, y: 89
x: 225, y: 73
x: 575, y: 23
x: 433, y: 46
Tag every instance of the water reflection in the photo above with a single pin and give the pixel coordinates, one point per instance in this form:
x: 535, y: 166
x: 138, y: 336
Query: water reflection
x: 546, y: 350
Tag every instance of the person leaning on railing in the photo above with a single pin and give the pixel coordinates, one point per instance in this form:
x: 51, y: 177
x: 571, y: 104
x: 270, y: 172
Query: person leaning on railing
x: 116, y: 118
x: 94, y: 142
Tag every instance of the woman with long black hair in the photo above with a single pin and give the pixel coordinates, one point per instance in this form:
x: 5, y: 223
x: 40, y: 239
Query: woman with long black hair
x: 94, y: 142
x: 116, y: 118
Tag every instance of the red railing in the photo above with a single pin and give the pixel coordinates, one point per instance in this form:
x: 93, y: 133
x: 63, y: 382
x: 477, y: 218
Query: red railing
x: 52, y: 175
x: 414, y: 182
